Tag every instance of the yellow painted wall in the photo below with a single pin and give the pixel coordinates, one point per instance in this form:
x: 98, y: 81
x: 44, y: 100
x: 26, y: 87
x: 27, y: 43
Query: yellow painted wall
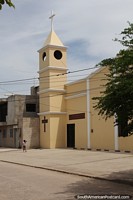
x: 52, y: 79
x: 54, y: 137
x: 43, y: 63
x: 57, y: 80
x: 50, y: 59
x: 44, y: 80
x: 126, y: 143
x: 54, y: 103
x: 44, y: 136
x: 57, y: 131
x: 53, y: 61
x: 57, y: 102
x: 76, y: 88
x: 75, y: 106
x: 102, y: 132
x: 80, y: 133
x: 44, y: 102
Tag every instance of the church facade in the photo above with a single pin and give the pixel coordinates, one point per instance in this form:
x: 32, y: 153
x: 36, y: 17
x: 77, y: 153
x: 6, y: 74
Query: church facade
x: 67, y: 115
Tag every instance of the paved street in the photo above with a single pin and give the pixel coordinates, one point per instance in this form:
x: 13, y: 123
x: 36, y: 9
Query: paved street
x: 27, y: 183
x: 104, y: 165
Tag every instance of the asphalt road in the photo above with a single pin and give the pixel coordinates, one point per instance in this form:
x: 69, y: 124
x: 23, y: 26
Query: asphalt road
x: 28, y: 183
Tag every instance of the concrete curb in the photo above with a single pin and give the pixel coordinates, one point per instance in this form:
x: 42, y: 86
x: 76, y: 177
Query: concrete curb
x: 124, y: 182
x: 9, y: 151
x: 82, y: 149
x: 104, y: 150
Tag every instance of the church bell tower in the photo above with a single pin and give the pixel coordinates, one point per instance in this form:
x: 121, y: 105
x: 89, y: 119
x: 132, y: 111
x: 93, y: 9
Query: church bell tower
x: 52, y: 78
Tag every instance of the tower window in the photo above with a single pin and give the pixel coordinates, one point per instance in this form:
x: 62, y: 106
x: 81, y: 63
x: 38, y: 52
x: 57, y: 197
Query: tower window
x: 44, y: 56
x: 58, y: 54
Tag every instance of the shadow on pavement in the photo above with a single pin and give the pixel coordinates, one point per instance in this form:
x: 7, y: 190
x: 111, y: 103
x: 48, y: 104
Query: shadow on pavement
x: 97, y: 187
x: 124, y: 177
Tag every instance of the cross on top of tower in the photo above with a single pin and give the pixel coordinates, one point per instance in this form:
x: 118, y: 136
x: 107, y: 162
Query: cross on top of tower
x: 51, y: 17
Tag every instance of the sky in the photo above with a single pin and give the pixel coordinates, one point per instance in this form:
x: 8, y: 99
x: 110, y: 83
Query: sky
x: 86, y: 27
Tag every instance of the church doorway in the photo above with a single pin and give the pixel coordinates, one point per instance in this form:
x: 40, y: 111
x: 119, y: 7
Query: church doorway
x: 71, y: 135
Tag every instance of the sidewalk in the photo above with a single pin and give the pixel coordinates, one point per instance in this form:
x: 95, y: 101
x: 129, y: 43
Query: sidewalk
x: 116, y: 167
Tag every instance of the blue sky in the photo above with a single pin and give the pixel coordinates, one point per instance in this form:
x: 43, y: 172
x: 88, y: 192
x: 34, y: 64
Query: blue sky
x: 86, y: 27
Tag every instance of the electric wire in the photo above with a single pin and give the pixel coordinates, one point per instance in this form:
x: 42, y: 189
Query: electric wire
x: 43, y: 103
x: 59, y: 94
x: 60, y: 74
x: 53, y: 78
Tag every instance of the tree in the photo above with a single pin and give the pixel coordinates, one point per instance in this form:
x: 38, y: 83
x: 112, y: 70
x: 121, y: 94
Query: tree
x: 117, y: 98
x: 8, y: 2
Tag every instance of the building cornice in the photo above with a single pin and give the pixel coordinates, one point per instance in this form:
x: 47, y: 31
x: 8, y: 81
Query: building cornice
x: 52, y: 46
x: 52, y: 68
x: 51, y: 90
x: 74, y: 82
x: 52, y: 113
x: 76, y: 96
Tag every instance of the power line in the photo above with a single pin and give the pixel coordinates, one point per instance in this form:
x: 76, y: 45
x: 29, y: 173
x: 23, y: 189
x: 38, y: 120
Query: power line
x: 20, y: 81
x: 59, y: 94
x: 55, y: 86
x: 60, y: 74
x: 54, y: 80
x: 43, y: 103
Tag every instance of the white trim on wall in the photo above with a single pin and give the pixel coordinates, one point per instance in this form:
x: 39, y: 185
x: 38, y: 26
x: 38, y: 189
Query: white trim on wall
x: 116, y: 142
x: 52, y: 113
x: 51, y: 90
x: 52, y: 68
x: 88, y: 115
x: 76, y: 96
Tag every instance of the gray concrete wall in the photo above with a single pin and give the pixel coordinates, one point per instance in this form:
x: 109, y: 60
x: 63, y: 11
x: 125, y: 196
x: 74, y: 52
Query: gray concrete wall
x: 30, y: 132
x: 16, y: 105
x: 25, y: 124
x: 10, y: 140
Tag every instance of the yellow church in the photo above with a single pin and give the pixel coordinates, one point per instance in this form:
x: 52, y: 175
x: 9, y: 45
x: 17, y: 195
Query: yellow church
x: 67, y: 117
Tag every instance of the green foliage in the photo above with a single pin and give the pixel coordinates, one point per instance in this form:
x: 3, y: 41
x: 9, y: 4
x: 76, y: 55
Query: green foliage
x: 117, y: 99
x: 8, y: 2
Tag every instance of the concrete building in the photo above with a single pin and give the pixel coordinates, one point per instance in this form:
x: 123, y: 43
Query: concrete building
x: 67, y: 116
x: 19, y: 120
